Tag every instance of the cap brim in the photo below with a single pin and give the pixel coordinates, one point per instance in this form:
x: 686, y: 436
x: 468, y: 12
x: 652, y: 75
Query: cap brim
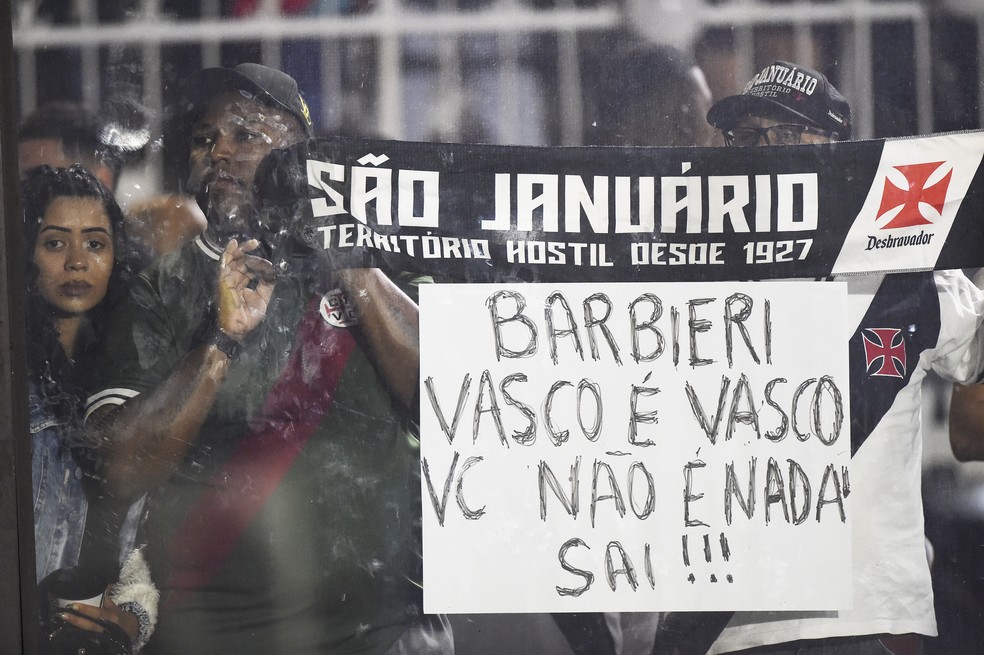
x: 728, y: 111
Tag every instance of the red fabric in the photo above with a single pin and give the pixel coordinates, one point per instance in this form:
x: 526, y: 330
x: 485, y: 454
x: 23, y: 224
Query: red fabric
x: 903, y: 644
x: 238, y: 490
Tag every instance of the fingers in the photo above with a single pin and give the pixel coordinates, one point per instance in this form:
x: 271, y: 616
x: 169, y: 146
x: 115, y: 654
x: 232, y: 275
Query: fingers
x: 245, y: 286
x: 90, y: 611
x: 234, y: 248
x: 260, y: 269
x: 111, y: 613
x: 249, y: 245
x: 235, y: 260
x: 234, y: 252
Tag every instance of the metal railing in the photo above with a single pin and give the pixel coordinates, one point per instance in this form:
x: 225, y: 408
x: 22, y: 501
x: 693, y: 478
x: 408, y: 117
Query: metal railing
x: 390, y: 33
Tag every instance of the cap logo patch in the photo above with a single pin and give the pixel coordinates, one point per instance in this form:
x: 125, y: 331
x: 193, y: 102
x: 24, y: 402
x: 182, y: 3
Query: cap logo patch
x: 305, y: 110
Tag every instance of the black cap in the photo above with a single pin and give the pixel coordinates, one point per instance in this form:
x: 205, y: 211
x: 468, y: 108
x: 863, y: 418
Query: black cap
x: 266, y: 85
x: 795, y: 90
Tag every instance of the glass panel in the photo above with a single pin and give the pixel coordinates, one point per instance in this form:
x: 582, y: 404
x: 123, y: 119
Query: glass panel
x: 165, y: 415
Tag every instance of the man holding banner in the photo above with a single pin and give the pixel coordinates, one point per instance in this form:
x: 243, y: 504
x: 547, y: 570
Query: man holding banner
x: 903, y: 326
x: 268, y: 412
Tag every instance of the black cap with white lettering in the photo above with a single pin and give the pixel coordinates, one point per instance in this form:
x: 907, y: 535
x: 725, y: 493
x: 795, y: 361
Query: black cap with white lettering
x: 796, y: 91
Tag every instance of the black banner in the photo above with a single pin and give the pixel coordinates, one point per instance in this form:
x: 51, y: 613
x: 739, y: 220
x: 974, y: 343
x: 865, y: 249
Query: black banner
x: 472, y: 213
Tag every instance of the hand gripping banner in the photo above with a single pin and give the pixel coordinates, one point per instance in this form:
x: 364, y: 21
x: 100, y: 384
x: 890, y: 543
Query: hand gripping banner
x: 475, y: 213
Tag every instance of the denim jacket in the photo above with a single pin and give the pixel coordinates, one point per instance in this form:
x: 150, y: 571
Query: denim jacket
x: 60, y: 504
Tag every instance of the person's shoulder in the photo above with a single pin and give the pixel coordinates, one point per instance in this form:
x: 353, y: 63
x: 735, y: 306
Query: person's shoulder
x: 952, y: 278
x: 162, y: 224
x: 196, y: 255
x: 955, y: 287
x: 958, y: 291
x: 178, y: 273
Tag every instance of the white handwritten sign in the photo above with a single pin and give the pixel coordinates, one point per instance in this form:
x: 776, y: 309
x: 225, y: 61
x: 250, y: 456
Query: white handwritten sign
x: 635, y: 447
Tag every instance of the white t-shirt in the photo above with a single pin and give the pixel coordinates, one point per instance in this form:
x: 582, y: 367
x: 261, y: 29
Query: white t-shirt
x: 938, y: 316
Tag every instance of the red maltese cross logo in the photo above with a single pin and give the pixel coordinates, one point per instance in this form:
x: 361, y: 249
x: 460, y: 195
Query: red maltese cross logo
x: 884, y: 348
x: 917, y: 193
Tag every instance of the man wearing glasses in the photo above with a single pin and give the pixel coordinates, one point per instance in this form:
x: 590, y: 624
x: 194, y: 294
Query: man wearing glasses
x: 933, y: 319
x: 783, y: 105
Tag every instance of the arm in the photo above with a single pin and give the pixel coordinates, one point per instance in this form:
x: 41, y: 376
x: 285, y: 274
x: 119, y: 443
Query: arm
x: 962, y: 361
x: 147, y: 437
x: 967, y: 422
x: 164, y: 223
x: 390, y: 321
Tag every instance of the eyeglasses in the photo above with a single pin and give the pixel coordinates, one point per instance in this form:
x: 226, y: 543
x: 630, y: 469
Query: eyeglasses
x: 777, y: 135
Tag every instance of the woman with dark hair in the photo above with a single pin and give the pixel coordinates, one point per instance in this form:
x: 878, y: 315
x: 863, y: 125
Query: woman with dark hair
x: 78, y: 267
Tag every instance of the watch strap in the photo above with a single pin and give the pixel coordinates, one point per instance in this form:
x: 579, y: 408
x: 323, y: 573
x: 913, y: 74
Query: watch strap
x: 224, y: 342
